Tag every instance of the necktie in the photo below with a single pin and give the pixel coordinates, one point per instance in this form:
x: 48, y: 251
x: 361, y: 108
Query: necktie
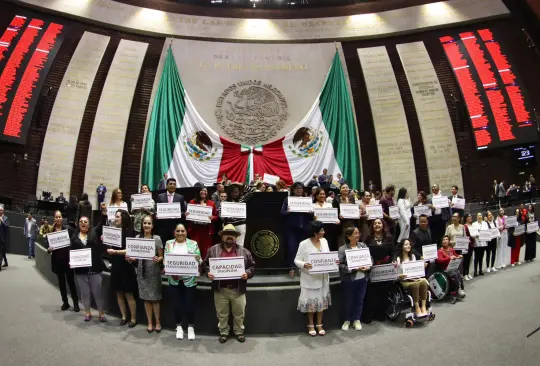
x: 170, y: 198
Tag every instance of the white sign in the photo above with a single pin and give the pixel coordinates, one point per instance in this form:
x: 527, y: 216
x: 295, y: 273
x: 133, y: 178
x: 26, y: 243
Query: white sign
x: 413, y: 269
x: 459, y: 203
x: 440, y: 202
x: 233, y: 209
x: 374, y: 212
x: 80, y: 258
x: 357, y: 258
x: 227, y: 268
x: 324, y: 262
x: 511, y: 221
x: 112, y: 236
x: 453, y: 265
x: 422, y: 210
x: 519, y: 230
x: 429, y: 252
x: 181, y: 265
x: 349, y: 211
x: 59, y: 239
x: 532, y: 227
x: 393, y: 212
x: 394, y: 146
x: 199, y: 213
x: 140, y: 248
x: 326, y: 215
x: 473, y: 231
x: 300, y: 204
x: 270, y: 179
x: 111, y: 212
x: 494, y: 232
x: 169, y: 210
x: 382, y: 273
x: 484, y: 235
x: 462, y: 243
x: 142, y: 200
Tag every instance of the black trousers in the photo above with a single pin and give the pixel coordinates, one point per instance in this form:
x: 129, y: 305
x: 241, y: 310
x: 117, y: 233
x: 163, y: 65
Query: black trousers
x: 438, y: 228
x: 478, y: 258
x: 376, y: 301
x: 63, y: 276
x: 184, y: 303
x: 530, y: 247
x: 3, y: 253
x: 467, y: 261
x: 491, y: 253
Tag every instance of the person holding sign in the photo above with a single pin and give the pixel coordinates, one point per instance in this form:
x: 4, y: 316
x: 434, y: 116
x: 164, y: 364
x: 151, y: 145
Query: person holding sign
x: 445, y: 254
x: 468, y: 221
x: 295, y: 224
x: 237, y: 192
x: 123, y: 277
x: 441, y: 213
x: 455, y: 230
x: 344, y: 197
x: 405, y: 214
x: 89, y: 278
x: 165, y: 227
x: 353, y: 280
x: 502, y: 243
x: 60, y: 265
x: 530, y: 237
x: 479, y: 245
x: 140, y: 213
x: 116, y: 200
x: 314, y: 287
x: 491, y: 250
x: 185, y: 288
x: 364, y: 217
x: 417, y: 287
x: 516, y: 241
x: 422, y: 201
x: 321, y: 201
x: 381, y: 248
x: 203, y: 232
x: 230, y: 294
x: 149, y: 276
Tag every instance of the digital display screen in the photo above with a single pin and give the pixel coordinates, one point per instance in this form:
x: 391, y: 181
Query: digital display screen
x: 27, y: 49
x: 498, y: 109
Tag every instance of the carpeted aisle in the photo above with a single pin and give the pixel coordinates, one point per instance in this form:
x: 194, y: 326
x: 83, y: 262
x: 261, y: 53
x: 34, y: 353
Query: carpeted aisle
x: 488, y: 328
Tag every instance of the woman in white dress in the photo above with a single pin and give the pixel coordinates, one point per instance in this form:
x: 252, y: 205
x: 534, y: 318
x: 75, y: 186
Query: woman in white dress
x: 503, y: 252
x: 314, y: 287
x: 405, y: 214
x: 479, y: 246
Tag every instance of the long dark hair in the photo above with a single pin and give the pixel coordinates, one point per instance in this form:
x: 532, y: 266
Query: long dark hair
x: 348, y: 232
x: 127, y: 223
x: 385, y: 231
x: 402, y: 193
x: 317, y: 191
x: 399, y: 249
x: 115, y: 195
x: 84, y: 199
x: 198, y: 198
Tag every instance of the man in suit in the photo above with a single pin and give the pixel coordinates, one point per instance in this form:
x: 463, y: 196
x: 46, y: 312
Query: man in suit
x: 456, y: 195
x: 4, y: 237
x: 163, y: 183
x: 420, y: 237
x: 439, y: 218
x: 167, y: 226
x: 30, y: 233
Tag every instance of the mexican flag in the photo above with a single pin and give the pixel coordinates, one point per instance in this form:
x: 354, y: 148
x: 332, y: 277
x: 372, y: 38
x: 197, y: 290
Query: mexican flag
x: 180, y: 143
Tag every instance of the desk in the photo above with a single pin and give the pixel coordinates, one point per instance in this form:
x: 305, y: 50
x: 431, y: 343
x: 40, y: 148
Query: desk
x: 49, y: 207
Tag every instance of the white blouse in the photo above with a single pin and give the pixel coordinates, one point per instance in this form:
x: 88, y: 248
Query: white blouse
x: 480, y: 226
x: 325, y: 205
x: 307, y: 280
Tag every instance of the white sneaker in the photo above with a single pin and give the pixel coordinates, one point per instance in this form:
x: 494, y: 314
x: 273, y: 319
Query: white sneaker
x: 466, y: 278
x: 179, y: 332
x: 512, y: 265
x: 345, y: 325
x: 471, y: 277
x: 518, y: 263
x: 461, y: 293
x: 493, y: 269
x: 191, y: 333
x: 357, y: 325
x: 488, y: 270
x: 503, y: 266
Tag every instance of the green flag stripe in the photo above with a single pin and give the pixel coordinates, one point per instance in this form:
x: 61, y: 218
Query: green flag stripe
x: 165, y: 124
x: 338, y: 118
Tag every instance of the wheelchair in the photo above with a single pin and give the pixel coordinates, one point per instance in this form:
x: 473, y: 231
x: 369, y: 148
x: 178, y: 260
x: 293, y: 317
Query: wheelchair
x: 400, y: 301
x: 442, y: 285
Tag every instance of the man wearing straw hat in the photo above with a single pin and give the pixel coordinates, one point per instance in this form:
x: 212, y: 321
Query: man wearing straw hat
x: 231, y: 292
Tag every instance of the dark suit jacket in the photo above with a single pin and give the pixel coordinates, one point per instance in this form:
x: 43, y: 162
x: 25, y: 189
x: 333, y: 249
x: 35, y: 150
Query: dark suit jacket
x: 4, y: 230
x: 458, y: 210
x: 162, y: 198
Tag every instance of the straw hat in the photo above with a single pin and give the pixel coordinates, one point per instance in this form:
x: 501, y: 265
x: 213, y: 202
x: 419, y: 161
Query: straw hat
x: 229, y: 229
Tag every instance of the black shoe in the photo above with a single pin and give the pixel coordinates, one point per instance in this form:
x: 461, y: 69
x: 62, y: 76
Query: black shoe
x: 222, y: 338
x: 123, y: 322
x: 481, y: 273
x: 4, y: 265
x: 76, y: 308
x: 150, y: 330
x: 132, y: 324
x: 475, y: 274
x: 240, y: 337
x: 65, y: 306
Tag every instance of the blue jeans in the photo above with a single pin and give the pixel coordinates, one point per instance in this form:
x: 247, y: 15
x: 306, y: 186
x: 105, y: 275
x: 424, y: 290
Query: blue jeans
x: 31, y: 247
x: 353, y: 294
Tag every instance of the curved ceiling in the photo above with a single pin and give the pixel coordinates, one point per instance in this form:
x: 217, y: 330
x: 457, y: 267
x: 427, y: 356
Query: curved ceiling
x: 267, y: 8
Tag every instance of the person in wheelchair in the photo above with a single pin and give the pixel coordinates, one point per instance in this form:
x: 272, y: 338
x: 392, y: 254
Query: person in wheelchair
x: 417, y: 287
x: 446, y: 254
